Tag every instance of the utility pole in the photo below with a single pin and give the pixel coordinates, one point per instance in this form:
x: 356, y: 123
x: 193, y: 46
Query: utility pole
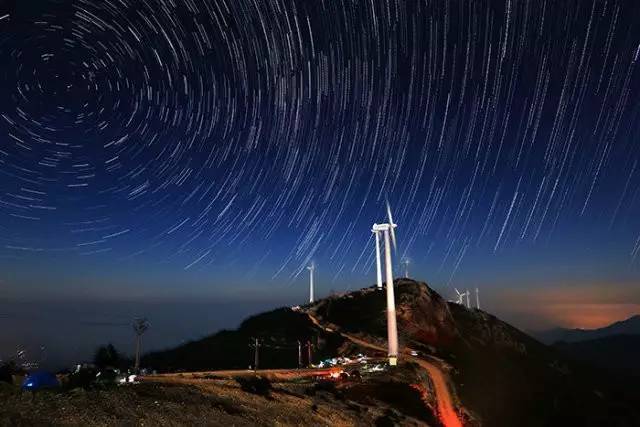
x: 136, y: 365
x: 256, y: 355
x: 299, y: 354
x: 140, y: 326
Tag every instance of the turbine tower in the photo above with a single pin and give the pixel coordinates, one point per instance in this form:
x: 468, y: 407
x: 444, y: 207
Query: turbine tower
x: 311, y: 268
x: 477, y: 299
x: 392, y: 328
x: 406, y: 263
x: 468, y: 294
x: 375, y: 230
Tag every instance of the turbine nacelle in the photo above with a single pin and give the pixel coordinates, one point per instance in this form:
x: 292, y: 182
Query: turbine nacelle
x: 378, y: 228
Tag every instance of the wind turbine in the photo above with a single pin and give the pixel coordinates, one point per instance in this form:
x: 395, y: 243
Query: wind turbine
x: 392, y: 327
x: 468, y: 294
x: 406, y: 263
x: 311, y: 269
x: 460, y: 297
x: 477, y: 299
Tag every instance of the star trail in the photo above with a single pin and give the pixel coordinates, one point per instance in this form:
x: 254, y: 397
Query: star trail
x: 208, y: 139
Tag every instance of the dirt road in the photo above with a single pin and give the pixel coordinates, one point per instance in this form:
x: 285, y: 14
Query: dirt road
x: 446, y: 410
x: 271, y: 374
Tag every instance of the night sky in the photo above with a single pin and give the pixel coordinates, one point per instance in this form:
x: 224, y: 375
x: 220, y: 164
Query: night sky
x: 212, y: 149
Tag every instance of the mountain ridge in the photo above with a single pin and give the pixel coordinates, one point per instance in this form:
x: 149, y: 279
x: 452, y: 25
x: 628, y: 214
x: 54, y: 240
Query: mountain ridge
x: 629, y: 326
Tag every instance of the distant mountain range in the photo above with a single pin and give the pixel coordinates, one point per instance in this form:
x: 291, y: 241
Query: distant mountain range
x: 614, y: 348
x: 631, y: 326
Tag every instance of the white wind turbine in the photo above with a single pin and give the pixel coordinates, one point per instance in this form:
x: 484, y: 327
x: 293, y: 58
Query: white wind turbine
x: 392, y: 328
x: 460, y: 297
x: 477, y: 299
x: 311, y: 269
x: 468, y: 294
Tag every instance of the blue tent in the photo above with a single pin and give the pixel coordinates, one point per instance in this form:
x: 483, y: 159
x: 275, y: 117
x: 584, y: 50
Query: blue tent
x: 40, y: 380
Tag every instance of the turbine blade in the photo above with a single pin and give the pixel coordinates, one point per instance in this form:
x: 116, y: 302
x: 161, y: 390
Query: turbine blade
x: 391, y: 228
x: 394, y: 240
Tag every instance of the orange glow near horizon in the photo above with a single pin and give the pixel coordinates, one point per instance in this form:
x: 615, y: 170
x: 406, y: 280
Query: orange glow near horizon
x: 583, y: 307
x: 589, y: 316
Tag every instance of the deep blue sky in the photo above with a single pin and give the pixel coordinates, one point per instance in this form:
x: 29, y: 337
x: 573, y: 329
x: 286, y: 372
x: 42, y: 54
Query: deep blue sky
x: 187, y: 149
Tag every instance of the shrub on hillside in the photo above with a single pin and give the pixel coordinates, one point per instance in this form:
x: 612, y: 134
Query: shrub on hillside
x: 255, y: 385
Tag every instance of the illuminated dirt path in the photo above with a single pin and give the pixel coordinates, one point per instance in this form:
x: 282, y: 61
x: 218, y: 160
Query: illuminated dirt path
x: 271, y: 374
x: 446, y: 411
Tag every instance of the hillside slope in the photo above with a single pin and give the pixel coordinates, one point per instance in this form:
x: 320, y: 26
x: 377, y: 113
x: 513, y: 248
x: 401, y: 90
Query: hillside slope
x: 510, y: 378
x: 278, y: 331
x: 217, y: 402
x: 618, y: 354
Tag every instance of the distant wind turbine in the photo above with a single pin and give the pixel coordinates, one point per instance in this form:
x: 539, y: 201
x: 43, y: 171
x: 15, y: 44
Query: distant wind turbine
x: 392, y: 328
x: 477, y: 299
x: 460, y: 297
x: 311, y: 269
x: 406, y: 263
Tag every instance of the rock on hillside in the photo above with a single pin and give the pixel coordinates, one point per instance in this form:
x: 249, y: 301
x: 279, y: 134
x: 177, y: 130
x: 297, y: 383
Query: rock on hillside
x: 424, y: 317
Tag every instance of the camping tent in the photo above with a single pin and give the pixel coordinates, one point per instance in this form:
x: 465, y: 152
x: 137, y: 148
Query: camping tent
x: 40, y: 380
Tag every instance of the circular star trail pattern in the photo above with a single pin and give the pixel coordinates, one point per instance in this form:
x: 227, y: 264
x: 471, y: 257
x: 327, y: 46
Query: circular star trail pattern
x: 266, y: 134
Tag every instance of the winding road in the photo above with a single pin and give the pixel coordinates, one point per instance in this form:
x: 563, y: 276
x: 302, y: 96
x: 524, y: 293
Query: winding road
x: 446, y: 410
